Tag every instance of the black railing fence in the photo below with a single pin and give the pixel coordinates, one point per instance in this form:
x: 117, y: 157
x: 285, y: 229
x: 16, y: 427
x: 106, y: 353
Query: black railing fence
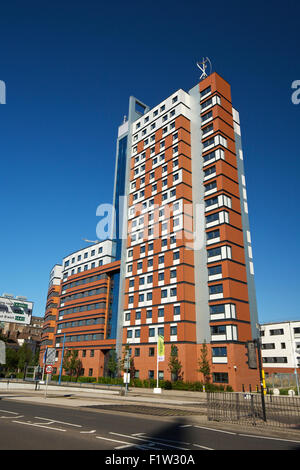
x: 247, y: 408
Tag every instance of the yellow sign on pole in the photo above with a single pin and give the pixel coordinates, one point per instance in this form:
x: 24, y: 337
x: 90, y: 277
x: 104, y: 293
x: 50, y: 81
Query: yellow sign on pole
x: 160, y: 349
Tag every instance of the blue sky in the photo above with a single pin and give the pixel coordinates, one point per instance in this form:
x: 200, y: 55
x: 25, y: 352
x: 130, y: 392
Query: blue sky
x: 69, y: 69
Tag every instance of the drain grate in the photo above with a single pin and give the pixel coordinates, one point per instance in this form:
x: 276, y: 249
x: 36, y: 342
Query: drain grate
x: 147, y: 410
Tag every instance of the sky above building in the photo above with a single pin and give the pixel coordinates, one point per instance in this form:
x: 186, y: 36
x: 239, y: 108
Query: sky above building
x: 69, y: 69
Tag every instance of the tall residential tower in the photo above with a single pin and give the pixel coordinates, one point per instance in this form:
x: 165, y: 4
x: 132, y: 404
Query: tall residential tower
x: 186, y: 259
x: 181, y: 253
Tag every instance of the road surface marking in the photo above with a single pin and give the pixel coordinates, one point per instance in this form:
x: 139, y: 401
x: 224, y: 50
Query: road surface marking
x: 215, y: 430
x: 125, y: 446
x: 267, y: 437
x: 60, y: 422
x: 113, y: 440
x: 164, y: 440
x: 147, y: 441
x: 185, y: 426
x: 88, y: 432
x: 11, y: 412
x: 40, y: 426
x: 203, y: 447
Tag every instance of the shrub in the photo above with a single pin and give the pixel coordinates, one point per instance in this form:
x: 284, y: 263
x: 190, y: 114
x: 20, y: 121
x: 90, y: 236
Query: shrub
x: 87, y: 379
x: 167, y: 385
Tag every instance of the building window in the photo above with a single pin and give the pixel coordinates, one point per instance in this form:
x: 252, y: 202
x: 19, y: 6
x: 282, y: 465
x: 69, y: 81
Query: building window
x: 173, y: 331
x: 92, y: 353
x: 160, y: 331
x: 151, y: 332
x: 218, y: 330
x: 278, y: 331
x: 214, y: 270
x: 137, y: 315
x: 151, y: 352
x: 205, y: 92
x: 164, y: 293
x: 220, y: 377
x: 137, y: 352
x: 149, y: 314
x: 150, y: 374
x: 161, y: 312
x: 176, y: 310
x: 219, y: 352
x: 217, y: 289
x: 90, y: 372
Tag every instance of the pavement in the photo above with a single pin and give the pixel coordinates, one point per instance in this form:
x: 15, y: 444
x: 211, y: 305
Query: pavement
x: 171, y: 403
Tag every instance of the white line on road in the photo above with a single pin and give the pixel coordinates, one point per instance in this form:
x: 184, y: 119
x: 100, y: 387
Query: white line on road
x: 60, y: 422
x: 215, y: 430
x: 10, y: 412
x: 163, y: 440
x: 124, y: 447
x: 39, y: 426
x: 88, y: 432
x: 147, y: 440
x: 113, y: 440
x: 203, y: 447
x: 267, y: 437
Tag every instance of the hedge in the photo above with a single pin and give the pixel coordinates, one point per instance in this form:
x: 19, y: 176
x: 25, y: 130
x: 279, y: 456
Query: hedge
x: 149, y: 383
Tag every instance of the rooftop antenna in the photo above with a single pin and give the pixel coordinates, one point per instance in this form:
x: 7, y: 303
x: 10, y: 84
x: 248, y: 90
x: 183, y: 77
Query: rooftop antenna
x: 203, y: 66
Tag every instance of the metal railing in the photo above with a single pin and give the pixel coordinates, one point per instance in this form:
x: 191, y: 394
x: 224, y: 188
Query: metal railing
x: 246, y: 408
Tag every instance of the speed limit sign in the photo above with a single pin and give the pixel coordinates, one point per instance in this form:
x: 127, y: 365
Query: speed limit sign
x: 48, y: 369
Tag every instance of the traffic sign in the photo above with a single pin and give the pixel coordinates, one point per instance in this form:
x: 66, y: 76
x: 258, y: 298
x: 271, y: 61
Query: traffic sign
x: 48, y: 369
x: 2, y: 353
x: 50, y: 356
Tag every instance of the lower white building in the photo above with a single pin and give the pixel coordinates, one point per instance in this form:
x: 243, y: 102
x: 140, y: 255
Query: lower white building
x: 280, y: 346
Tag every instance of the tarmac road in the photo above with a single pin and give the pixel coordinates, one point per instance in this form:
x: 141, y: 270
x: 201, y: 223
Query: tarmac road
x: 29, y: 425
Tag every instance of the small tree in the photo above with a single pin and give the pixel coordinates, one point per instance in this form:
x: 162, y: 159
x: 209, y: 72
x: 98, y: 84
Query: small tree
x: 203, y: 363
x: 174, y: 365
x: 112, y: 363
x: 24, y: 356
x: 72, y: 364
x: 131, y: 368
x: 11, y: 359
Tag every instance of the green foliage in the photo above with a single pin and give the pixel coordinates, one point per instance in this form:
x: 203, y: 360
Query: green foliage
x: 112, y: 363
x: 174, y: 364
x: 71, y: 364
x: 203, y: 363
x: 11, y: 359
x: 25, y: 356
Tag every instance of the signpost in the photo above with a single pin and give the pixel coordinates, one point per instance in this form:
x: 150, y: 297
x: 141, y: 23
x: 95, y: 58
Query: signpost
x: 50, y: 356
x: 48, y: 371
x: 2, y: 353
x: 160, y: 358
x: 126, y: 377
x: 49, y: 361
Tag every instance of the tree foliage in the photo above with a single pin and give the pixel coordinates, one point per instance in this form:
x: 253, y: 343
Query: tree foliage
x: 203, y: 363
x: 71, y: 364
x: 174, y: 364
